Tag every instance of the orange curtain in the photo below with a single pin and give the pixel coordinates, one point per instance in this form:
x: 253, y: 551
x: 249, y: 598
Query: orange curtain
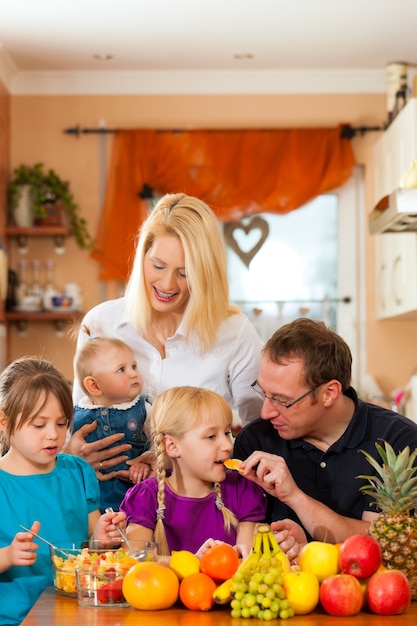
x: 236, y: 172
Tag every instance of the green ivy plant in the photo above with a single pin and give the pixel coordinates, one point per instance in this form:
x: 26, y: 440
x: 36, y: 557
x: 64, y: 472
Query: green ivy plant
x: 46, y: 187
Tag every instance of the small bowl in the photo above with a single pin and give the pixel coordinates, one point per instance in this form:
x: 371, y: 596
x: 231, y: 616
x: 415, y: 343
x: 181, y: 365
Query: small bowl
x: 62, y: 302
x: 99, y: 584
x: 101, y: 587
x: 64, y: 564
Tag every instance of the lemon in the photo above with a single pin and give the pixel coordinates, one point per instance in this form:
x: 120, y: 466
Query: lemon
x: 320, y: 558
x: 184, y: 563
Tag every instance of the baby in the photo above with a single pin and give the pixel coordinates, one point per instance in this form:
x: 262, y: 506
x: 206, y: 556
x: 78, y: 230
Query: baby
x: 107, y: 371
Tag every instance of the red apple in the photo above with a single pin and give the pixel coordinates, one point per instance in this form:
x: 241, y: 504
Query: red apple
x: 341, y: 595
x: 388, y: 592
x: 360, y: 555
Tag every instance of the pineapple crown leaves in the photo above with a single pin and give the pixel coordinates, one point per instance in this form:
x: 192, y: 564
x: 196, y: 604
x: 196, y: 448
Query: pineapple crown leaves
x: 394, y: 485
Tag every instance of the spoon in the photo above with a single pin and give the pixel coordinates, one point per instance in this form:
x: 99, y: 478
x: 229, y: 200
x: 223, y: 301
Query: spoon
x: 121, y: 531
x: 140, y: 555
x: 45, y: 541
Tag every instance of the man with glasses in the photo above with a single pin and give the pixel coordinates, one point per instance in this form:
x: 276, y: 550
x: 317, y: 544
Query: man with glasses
x: 304, y: 450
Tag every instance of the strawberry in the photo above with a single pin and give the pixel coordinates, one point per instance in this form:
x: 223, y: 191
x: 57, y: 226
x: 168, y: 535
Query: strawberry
x: 110, y: 573
x: 111, y: 592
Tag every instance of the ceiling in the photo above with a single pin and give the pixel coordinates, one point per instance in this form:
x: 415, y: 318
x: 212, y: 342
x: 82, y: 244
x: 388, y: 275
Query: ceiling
x: 158, y: 45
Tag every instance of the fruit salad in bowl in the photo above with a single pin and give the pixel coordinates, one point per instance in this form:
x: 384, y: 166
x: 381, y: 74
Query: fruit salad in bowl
x: 116, y: 562
x: 99, y: 582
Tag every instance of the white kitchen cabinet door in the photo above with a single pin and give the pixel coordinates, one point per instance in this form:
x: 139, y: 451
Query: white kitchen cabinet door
x: 396, y: 275
x: 382, y: 260
x: 395, y: 150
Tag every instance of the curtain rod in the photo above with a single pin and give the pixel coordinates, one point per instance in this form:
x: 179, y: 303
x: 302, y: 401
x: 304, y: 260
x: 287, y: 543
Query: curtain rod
x: 347, y: 131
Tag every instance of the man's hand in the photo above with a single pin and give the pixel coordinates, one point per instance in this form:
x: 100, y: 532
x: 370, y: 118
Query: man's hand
x: 98, y: 453
x: 290, y: 537
x: 271, y: 472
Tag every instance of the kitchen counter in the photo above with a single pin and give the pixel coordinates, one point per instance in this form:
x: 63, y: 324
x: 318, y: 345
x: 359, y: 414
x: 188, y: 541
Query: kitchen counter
x: 54, y: 610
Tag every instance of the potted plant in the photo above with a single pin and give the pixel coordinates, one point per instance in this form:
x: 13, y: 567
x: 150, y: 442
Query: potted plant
x: 44, y: 193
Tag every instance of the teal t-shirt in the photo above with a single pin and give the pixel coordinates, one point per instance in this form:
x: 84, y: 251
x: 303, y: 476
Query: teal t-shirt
x: 61, y: 501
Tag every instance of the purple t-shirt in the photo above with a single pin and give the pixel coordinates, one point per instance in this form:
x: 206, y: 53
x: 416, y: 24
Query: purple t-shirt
x: 189, y: 522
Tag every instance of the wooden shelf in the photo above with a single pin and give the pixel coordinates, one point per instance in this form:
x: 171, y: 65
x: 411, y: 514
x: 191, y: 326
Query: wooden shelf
x: 37, y: 231
x: 42, y: 316
x: 58, y: 233
x: 59, y: 318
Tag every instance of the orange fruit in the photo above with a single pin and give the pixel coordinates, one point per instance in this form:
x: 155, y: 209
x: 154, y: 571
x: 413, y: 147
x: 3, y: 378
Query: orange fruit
x: 196, y: 592
x: 220, y: 562
x: 233, y: 464
x: 150, y: 586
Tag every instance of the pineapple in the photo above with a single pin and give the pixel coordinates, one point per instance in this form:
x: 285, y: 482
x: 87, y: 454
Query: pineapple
x: 394, y: 487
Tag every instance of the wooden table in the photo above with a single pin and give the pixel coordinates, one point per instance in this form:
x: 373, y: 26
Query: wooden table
x: 54, y: 610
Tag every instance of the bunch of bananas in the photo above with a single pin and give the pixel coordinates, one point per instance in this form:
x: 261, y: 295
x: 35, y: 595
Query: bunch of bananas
x: 265, y: 566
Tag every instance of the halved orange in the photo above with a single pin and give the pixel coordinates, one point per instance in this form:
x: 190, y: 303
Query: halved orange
x: 233, y: 464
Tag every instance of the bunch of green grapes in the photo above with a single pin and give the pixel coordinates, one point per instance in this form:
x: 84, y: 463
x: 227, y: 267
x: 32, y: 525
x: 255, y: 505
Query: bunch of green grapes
x: 258, y: 592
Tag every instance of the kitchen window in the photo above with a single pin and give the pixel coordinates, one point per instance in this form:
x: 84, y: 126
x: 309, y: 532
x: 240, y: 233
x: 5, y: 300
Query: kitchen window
x: 311, y: 264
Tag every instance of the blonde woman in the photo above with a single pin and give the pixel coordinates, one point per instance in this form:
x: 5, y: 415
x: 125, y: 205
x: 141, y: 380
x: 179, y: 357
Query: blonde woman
x: 177, y: 318
x: 197, y: 501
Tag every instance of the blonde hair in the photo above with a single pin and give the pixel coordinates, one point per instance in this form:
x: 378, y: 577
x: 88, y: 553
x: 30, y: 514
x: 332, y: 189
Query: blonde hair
x: 89, y: 352
x: 22, y: 383
x: 175, y: 412
x: 198, y: 230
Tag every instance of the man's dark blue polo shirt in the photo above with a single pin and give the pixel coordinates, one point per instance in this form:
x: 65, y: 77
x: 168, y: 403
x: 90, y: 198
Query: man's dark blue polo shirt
x: 331, y: 477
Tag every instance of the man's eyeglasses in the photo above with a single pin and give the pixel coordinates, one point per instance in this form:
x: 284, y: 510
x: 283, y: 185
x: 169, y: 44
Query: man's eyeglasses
x: 261, y: 394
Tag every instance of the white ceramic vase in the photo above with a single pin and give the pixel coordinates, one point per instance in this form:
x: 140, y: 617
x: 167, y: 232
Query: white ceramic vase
x: 22, y: 213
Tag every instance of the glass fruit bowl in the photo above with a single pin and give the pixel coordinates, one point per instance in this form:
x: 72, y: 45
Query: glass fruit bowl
x: 67, y: 556
x: 64, y: 564
x: 100, y: 587
x: 99, y: 583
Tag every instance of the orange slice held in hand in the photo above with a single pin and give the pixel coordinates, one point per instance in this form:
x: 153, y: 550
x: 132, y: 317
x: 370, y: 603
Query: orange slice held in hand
x: 233, y: 464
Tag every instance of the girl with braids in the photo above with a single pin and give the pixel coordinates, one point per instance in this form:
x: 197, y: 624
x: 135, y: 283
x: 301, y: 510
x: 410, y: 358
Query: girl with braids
x: 196, y: 502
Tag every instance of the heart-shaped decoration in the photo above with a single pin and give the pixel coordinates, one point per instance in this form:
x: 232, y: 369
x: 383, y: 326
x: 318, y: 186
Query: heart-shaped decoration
x: 255, y: 224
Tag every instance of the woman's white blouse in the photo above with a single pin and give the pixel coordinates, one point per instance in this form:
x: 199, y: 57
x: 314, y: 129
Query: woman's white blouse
x: 229, y: 368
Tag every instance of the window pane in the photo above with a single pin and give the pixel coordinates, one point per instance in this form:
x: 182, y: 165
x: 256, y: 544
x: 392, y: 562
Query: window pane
x: 294, y: 273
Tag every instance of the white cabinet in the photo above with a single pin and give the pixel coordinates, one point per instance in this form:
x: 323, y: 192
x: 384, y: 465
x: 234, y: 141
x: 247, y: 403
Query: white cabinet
x: 395, y: 150
x: 395, y: 253
x: 396, y: 274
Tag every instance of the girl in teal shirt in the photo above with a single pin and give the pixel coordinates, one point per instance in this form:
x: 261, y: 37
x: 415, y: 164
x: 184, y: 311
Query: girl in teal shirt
x: 40, y: 488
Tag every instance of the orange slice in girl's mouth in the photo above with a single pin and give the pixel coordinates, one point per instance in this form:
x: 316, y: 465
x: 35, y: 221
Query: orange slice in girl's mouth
x: 233, y: 464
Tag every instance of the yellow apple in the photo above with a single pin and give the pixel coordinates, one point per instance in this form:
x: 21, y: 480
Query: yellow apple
x: 320, y: 558
x: 302, y: 591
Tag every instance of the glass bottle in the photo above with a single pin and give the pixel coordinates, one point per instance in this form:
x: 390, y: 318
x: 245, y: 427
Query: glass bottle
x: 49, y: 291
x: 22, y: 284
x: 35, y: 289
